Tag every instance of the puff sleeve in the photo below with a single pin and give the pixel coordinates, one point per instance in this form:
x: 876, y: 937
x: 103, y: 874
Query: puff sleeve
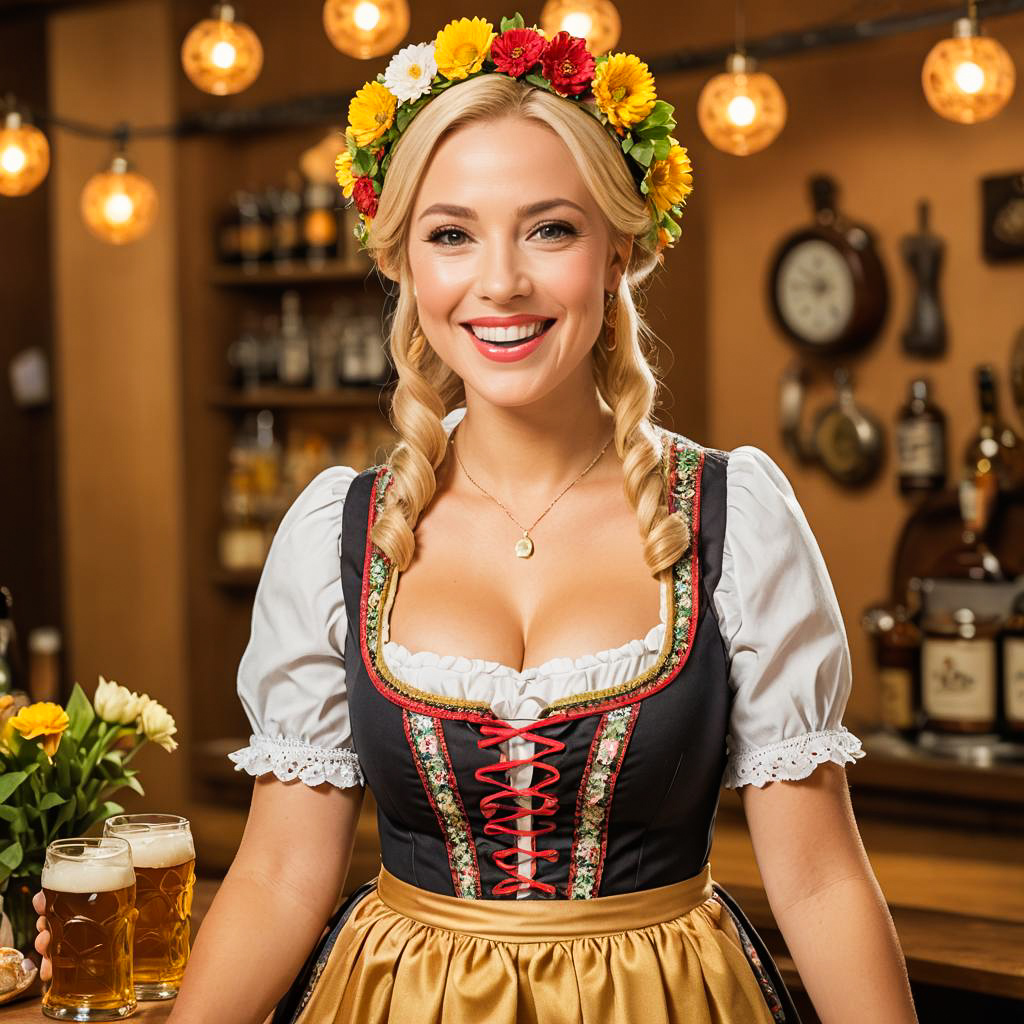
x: 291, y: 678
x: 789, y: 656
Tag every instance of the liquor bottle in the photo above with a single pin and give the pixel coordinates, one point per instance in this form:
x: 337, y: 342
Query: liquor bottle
x: 286, y: 231
x: 294, y: 357
x: 319, y: 223
x: 959, y: 658
x: 12, y: 676
x: 44, y: 645
x: 897, y: 649
x: 1012, y: 689
x: 994, y: 448
x: 921, y: 442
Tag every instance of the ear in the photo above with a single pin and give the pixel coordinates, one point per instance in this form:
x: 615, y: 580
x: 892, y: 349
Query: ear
x: 618, y: 260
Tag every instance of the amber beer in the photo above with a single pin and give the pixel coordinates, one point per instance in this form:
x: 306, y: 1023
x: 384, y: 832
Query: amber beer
x: 89, y: 887
x: 164, y: 858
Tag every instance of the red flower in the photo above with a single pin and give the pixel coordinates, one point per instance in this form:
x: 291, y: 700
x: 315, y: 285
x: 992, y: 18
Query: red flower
x: 517, y: 50
x: 568, y: 64
x: 365, y: 197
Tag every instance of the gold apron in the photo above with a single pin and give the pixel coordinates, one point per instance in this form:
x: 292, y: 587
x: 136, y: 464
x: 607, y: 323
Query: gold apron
x: 659, y: 956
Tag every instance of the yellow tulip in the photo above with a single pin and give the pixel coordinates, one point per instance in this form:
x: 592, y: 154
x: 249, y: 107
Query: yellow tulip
x: 44, y: 721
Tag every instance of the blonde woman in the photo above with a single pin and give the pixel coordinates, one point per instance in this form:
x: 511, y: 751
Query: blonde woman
x: 544, y: 634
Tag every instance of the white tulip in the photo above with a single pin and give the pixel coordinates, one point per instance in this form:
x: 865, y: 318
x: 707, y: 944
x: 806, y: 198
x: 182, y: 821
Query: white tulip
x: 158, y: 725
x: 116, y: 704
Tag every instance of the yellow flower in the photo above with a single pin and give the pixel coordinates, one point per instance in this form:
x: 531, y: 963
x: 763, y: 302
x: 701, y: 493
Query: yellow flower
x: 371, y: 113
x: 461, y: 46
x: 43, y: 720
x: 624, y: 90
x: 7, y: 712
x: 343, y: 172
x: 158, y: 725
x: 671, y: 179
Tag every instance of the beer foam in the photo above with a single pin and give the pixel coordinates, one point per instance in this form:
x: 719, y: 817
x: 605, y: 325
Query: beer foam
x: 84, y: 874
x: 156, y: 850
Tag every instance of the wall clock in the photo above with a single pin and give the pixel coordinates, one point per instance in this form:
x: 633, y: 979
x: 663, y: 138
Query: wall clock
x: 827, y: 286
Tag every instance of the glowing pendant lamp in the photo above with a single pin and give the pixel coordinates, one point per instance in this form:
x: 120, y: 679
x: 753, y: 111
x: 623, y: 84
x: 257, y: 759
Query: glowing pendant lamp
x: 118, y: 204
x: 742, y: 110
x: 597, y: 21
x: 969, y: 77
x: 366, y: 28
x: 24, y: 155
x: 221, y: 55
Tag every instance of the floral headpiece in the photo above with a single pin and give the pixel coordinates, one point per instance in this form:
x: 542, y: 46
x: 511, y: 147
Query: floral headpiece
x: 618, y: 90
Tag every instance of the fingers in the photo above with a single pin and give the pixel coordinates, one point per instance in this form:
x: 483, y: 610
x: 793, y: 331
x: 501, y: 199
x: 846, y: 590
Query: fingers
x: 39, y: 902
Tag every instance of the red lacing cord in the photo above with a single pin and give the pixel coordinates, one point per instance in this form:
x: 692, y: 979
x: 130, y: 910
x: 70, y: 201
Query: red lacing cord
x: 491, y: 804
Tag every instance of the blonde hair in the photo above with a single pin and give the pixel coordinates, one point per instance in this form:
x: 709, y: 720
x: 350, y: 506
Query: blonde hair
x: 428, y: 389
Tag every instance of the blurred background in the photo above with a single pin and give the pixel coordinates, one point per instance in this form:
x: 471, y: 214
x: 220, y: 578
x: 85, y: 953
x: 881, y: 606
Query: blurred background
x: 189, y: 335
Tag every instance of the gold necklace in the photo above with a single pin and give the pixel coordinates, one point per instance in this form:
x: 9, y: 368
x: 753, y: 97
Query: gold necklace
x: 524, y: 546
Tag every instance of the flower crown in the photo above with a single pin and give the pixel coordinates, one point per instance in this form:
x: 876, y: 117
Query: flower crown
x: 618, y: 90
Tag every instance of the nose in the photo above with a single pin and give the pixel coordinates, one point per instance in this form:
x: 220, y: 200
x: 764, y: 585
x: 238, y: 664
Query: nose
x: 502, y: 274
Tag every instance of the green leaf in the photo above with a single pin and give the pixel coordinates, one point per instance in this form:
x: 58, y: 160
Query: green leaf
x: 80, y: 711
x: 10, y: 782
x: 66, y: 814
x: 661, y: 148
x: 657, y: 131
x: 627, y: 144
x: 134, y: 784
x: 661, y: 113
x: 540, y: 81
x: 642, y: 153
x: 11, y: 857
x: 52, y: 800
x: 362, y: 162
x: 101, y: 814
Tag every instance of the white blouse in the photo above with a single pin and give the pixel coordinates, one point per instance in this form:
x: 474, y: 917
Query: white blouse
x: 775, y: 604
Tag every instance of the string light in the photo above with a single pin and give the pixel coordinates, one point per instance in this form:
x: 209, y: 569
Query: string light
x: 24, y: 154
x: 222, y: 55
x: 118, y: 204
x: 969, y: 77
x: 366, y: 28
x: 742, y: 110
x: 597, y: 21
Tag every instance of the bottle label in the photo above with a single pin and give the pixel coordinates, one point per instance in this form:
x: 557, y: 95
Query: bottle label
x: 920, y: 448
x: 897, y: 690
x: 958, y: 679
x: 1013, y: 677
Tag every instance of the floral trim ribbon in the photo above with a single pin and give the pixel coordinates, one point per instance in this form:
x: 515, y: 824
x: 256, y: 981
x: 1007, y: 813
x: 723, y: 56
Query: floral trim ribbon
x: 590, y: 832
x: 430, y: 753
x: 617, y: 89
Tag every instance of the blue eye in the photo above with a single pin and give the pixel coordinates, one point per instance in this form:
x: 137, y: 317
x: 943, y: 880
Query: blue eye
x: 564, y: 231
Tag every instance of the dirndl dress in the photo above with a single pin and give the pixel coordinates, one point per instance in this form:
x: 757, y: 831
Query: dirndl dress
x: 555, y: 871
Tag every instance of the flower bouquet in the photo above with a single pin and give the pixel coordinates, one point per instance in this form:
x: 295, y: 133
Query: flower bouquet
x: 58, y: 769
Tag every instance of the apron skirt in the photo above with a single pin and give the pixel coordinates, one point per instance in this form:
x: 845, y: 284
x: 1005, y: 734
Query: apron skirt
x: 676, y: 953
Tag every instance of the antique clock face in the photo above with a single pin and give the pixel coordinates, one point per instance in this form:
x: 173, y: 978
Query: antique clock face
x: 815, y: 291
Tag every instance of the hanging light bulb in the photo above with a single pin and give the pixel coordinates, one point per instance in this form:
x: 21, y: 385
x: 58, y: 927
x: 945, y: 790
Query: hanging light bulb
x: 118, y: 204
x: 366, y: 28
x: 597, y: 21
x: 220, y: 55
x: 742, y: 110
x: 24, y: 155
x: 969, y: 77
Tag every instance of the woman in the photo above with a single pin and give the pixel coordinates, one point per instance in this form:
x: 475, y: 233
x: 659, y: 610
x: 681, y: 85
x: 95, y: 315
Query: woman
x: 545, y: 811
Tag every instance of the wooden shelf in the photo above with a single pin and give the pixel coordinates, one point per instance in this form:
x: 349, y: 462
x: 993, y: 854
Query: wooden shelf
x: 302, y: 398
x: 270, y: 277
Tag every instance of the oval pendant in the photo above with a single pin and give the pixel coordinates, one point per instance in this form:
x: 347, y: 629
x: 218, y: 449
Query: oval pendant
x: 524, y: 547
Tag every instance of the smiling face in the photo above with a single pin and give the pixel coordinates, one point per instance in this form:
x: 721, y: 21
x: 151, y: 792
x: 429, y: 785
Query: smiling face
x: 505, y: 231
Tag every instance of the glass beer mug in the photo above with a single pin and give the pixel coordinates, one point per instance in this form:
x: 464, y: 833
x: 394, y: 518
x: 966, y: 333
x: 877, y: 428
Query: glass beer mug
x: 164, y: 858
x: 89, y: 887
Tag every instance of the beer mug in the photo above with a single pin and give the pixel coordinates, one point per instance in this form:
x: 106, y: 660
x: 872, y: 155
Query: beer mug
x: 164, y: 858
x: 89, y: 887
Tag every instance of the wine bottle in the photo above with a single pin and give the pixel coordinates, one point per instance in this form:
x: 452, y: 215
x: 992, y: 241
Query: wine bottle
x: 994, y: 448
x: 1012, y: 688
x: 921, y: 442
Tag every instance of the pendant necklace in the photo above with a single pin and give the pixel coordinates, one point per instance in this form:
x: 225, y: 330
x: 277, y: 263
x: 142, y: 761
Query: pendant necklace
x: 525, y: 546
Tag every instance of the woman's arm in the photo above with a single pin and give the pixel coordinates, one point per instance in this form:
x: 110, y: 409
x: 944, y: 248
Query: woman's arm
x: 826, y: 899
x: 273, y: 904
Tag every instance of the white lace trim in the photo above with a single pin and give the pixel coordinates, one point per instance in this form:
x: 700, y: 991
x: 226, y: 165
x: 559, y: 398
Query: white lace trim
x: 791, y: 759
x: 290, y: 758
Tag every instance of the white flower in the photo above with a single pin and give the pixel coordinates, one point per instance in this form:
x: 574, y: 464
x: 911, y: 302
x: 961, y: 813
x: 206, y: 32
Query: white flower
x: 117, y: 704
x: 158, y: 725
x: 411, y: 71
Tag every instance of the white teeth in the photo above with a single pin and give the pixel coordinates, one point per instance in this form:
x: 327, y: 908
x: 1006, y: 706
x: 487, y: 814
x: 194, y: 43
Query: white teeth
x: 497, y: 334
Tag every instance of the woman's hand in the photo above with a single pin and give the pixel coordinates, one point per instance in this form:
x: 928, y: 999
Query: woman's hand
x: 42, y: 942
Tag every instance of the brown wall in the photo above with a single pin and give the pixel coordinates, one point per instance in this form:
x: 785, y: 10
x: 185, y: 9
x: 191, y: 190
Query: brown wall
x: 858, y: 113
x: 119, y: 433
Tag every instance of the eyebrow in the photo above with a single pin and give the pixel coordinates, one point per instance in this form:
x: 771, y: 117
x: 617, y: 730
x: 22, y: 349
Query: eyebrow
x: 523, y: 211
